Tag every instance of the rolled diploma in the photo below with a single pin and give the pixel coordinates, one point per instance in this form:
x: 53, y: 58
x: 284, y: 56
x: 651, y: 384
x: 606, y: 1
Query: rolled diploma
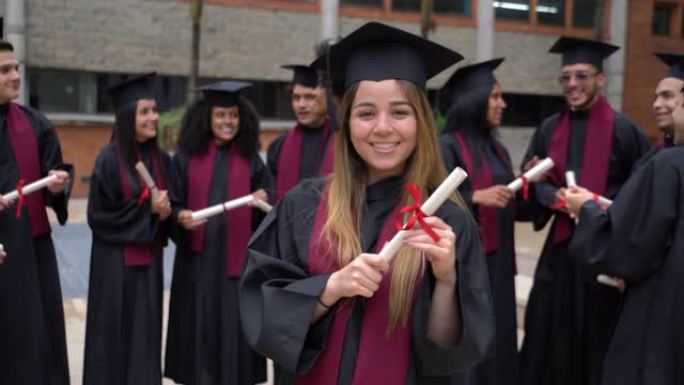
x: 221, y: 207
x: 2, y: 248
x: 145, y: 175
x: 603, y: 201
x: 30, y: 188
x: 532, y: 173
x: 431, y: 205
x: 570, y: 179
x: 265, y: 207
x: 608, y: 281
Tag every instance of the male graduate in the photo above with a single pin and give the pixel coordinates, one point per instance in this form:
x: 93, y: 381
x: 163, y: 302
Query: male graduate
x: 644, y: 233
x: 32, y: 337
x: 667, y: 97
x: 569, y: 315
x: 306, y: 150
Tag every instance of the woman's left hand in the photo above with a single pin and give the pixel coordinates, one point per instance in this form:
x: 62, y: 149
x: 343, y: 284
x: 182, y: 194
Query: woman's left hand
x: 261, y: 195
x: 441, y: 254
x: 58, y: 185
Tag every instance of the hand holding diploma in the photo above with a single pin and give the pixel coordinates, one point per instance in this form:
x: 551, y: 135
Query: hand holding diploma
x: 229, y: 205
x: 536, y: 173
x: 578, y: 196
x: 160, y: 198
x: 28, y: 189
x: 438, y: 197
x: 185, y: 219
x: 60, y: 181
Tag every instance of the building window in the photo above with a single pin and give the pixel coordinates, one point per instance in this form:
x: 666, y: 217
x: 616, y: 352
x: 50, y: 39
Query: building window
x: 53, y: 90
x: 406, y: 5
x: 551, y: 12
x: 586, y: 12
x: 525, y: 110
x: 453, y: 7
x: 516, y: 10
x: 662, y: 15
x: 363, y: 3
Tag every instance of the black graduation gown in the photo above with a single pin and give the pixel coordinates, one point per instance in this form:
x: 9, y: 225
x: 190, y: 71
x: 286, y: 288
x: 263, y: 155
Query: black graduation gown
x: 641, y: 237
x: 32, y: 338
x: 502, y: 367
x: 204, y: 325
x: 124, y: 320
x: 312, y: 157
x: 277, y: 296
x: 570, y: 317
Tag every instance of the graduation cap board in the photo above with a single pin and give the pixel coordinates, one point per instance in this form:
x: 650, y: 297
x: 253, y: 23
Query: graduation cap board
x: 378, y: 52
x: 583, y: 51
x: 132, y: 89
x: 466, y: 79
x: 304, y: 75
x: 224, y: 93
x: 675, y: 64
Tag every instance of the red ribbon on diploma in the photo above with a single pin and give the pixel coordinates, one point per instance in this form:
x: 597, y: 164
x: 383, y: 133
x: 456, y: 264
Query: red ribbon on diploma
x: 525, y: 187
x: 418, y: 215
x: 144, y: 194
x: 21, y: 201
x: 559, y: 204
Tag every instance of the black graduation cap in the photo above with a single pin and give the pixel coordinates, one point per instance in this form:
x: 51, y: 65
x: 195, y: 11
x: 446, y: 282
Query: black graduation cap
x: 303, y: 75
x: 576, y: 50
x: 132, y: 89
x: 675, y: 64
x: 466, y: 79
x: 224, y: 93
x: 378, y: 52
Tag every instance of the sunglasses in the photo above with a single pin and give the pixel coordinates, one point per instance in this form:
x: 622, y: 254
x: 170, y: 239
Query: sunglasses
x: 580, y: 76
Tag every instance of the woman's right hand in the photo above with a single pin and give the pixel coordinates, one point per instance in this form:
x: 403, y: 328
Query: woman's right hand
x: 161, y: 204
x: 361, y: 277
x: 185, y: 220
x: 495, y: 196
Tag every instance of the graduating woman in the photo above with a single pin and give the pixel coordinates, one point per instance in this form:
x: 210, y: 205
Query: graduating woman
x: 315, y: 297
x: 129, y: 224
x: 641, y: 238
x: 218, y: 160
x: 469, y: 141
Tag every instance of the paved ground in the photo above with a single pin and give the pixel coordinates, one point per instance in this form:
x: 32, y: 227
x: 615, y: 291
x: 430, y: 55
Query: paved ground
x: 73, y: 243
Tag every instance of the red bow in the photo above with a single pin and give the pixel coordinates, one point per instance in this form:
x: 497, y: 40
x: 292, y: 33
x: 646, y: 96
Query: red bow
x: 418, y: 215
x: 525, y: 187
x: 143, y: 195
x: 21, y: 201
x: 559, y: 204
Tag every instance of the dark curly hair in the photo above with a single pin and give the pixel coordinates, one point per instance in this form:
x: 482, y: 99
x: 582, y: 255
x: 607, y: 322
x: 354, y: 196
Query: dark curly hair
x: 196, y: 133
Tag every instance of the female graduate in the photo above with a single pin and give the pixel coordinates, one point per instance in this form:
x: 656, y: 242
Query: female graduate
x: 129, y: 224
x: 218, y: 160
x: 315, y: 297
x: 642, y: 239
x: 469, y: 141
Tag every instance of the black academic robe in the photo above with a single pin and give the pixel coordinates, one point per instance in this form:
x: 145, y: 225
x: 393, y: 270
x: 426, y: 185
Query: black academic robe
x: 277, y: 296
x: 32, y: 338
x: 643, y: 232
x: 124, y: 320
x: 570, y: 317
x: 502, y: 367
x: 313, y: 152
x: 205, y: 344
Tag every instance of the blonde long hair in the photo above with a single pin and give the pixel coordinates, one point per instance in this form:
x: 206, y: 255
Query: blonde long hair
x: 424, y: 168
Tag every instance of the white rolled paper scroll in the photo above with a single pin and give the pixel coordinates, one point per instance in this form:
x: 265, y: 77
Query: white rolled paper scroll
x: 431, y: 205
x: 570, y: 179
x: 2, y: 248
x: 265, y: 207
x: 145, y: 175
x: 532, y: 173
x: 603, y: 201
x: 30, y: 188
x: 222, y: 207
x: 608, y: 281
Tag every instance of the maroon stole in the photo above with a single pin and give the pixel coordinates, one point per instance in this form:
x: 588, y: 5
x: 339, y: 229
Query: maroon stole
x: 26, y: 153
x: 595, y: 161
x: 394, y: 352
x: 486, y: 216
x: 139, y: 255
x: 290, y: 155
x: 239, y: 227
